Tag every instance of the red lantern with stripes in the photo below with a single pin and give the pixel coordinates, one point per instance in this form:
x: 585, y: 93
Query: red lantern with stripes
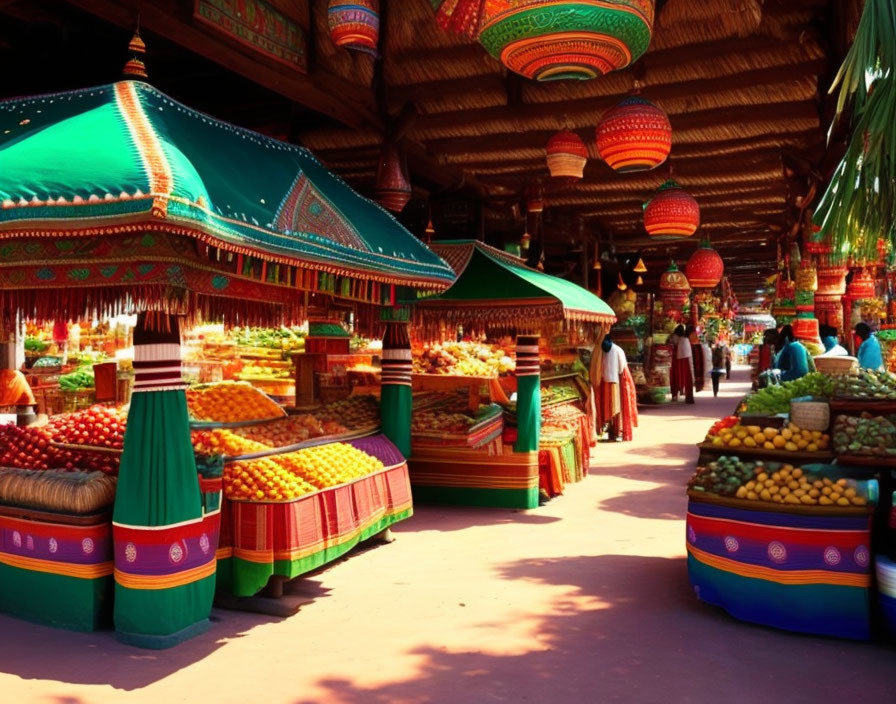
x: 634, y: 136
x: 705, y: 267
x: 354, y: 25
x: 671, y: 213
x: 566, y: 155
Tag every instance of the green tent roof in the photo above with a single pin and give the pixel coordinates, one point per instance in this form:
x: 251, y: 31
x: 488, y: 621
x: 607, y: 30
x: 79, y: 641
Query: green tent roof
x: 501, y: 287
x: 125, y: 157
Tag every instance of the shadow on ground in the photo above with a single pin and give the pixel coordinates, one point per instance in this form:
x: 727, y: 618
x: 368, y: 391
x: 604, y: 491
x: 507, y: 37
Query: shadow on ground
x: 601, y: 643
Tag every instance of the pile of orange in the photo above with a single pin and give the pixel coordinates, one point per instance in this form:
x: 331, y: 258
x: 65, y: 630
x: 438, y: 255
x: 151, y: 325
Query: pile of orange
x: 263, y: 480
x: 230, y: 402
x: 329, y: 465
x: 790, y: 438
x: 223, y: 442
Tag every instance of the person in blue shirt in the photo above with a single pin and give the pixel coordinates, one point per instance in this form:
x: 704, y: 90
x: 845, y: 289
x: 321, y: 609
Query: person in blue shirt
x: 793, y: 360
x: 869, y: 353
x: 832, y: 346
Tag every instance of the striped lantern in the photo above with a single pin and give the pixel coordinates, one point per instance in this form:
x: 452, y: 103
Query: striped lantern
x: 566, y: 155
x: 705, y: 267
x: 674, y: 288
x: 354, y: 25
x: 634, y: 136
x: 671, y: 213
x: 393, y: 190
x: 555, y: 40
x: 861, y: 286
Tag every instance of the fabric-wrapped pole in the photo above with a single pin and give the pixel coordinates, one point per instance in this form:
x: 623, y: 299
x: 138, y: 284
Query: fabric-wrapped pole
x: 164, y: 547
x: 396, y: 397
x: 528, y: 394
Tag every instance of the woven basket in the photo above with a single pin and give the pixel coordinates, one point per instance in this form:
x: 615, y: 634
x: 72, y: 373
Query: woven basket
x: 835, y: 365
x: 810, y: 415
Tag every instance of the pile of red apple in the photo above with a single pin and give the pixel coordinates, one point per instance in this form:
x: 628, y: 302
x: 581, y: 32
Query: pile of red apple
x: 26, y: 448
x: 97, y: 426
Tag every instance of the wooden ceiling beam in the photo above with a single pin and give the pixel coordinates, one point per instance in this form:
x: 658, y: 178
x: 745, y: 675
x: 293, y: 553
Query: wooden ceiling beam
x: 349, y: 103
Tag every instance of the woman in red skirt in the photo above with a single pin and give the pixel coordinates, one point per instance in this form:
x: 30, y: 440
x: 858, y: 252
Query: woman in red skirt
x: 681, y: 377
x: 618, y: 398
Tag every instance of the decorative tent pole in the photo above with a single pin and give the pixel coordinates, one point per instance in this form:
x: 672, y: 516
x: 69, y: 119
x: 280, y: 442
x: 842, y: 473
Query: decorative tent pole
x: 528, y: 394
x: 396, y: 398
x: 164, y: 548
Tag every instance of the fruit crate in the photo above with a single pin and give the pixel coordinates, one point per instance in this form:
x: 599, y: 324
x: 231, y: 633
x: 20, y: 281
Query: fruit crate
x: 710, y: 451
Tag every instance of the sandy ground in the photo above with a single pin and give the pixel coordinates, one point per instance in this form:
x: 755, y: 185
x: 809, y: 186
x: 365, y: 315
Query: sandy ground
x: 585, y: 599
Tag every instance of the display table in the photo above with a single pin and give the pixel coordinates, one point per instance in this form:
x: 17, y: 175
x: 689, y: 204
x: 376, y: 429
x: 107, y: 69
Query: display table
x: 259, y: 540
x: 56, y: 569
x: 797, y: 569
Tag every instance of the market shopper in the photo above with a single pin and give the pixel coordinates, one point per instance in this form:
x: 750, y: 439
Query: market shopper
x: 681, y: 377
x: 869, y: 353
x: 719, y: 360
x: 16, y: 396
x: 706, y: 353
x: 697, y: 361
x: 831, y: 342
x: 617, y: 397
x: 793, y: 359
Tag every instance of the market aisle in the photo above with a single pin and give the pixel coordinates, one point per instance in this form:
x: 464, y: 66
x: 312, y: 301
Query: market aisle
x: 583, y: 600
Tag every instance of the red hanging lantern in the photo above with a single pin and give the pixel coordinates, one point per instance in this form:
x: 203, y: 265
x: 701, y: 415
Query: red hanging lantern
x: 671, y: 213
x: 354, y: 25
x: 674, y: 288
x: 393, y: 190
x: 705, y: 267
x: 558, y: 39
x: 634, y: 136
x: 566, y: 155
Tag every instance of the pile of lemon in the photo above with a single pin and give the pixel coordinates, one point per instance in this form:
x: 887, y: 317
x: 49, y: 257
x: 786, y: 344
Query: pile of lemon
x: 790, y: 438
x: 791, y: 485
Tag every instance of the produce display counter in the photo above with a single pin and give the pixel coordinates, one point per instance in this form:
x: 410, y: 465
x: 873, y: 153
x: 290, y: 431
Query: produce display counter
x: 56, y: 569
x: 262, y: 539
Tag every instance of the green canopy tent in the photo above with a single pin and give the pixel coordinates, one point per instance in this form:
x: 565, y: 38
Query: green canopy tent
x: 119, y: 197
x: 495, y: 289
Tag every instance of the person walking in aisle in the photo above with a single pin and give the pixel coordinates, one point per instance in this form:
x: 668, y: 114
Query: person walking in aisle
x: 832, y: 346
x: 719, y: 359
x: 618, y: 398
x: 681, y: 377
x: 697, y: 364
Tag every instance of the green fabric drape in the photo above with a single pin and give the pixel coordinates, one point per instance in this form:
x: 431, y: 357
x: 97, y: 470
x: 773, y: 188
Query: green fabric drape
x: 395, y: 403
x: 158, y: 486
x: 528, y: 413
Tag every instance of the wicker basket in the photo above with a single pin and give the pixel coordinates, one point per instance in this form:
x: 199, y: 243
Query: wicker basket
x: 810, y: 415
x: 835, y: 365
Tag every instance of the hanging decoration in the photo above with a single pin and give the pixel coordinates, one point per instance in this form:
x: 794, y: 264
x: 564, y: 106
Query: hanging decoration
x: 535, y: 199
x: 634, y: 136
x: 354, y: 25
x: 640, y: 267
x: 705, y: 267
x: 464, y: 16
x: 674, y: 291
x: 566, y: 40
x: 525, y: 241
x: 566, y: 155
x: 135, y: 68
x: 393, y: 189
x: 671, y: 213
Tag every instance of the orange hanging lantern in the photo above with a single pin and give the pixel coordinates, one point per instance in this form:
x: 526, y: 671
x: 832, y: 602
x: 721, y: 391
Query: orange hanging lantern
x: 393, y: 190
x: 705, y: 267
x: 566, y: 155
x: 354, y: 25
x: 671, y: 213
x: 634, y: 136
x: 555, y: 40
x: 674, y: 289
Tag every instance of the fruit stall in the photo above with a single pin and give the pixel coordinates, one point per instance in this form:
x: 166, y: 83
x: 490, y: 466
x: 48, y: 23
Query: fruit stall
x: 498, y: 302
x: 118, y: 199
x: 792, y: 503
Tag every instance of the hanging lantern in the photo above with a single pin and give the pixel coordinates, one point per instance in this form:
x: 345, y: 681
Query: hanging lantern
x: 639, y: 281
x: 557, y: 40
x: 566, y: 155
x: 525, y: 241
x: 640, y: 267
x: 674, y: 289
x: 634, y: 136
x: 621, y: 285
x: 705, y: 267
x: 135, y: 68
x: 671, y: 213
x: 534, y: 200
x: 393, y: 190
x: 354, y: 25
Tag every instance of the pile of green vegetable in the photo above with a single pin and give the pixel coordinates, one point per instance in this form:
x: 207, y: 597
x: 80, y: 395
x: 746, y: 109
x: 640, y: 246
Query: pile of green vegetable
x: 77, y: 380
x: 867, y: 385
x: 776, y: 399
x: 724, y: 476
x: 33, y: 344
x: 865, y: 434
